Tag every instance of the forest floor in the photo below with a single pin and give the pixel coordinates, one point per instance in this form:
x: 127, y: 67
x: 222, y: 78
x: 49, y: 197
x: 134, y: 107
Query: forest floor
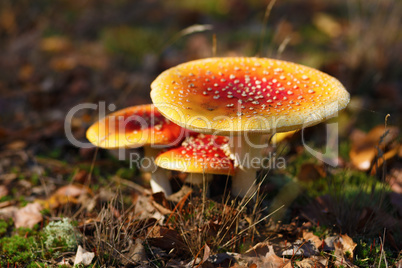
x: 60, y: 204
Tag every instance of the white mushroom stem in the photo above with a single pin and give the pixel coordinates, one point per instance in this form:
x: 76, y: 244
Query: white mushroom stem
x: 246, y: 150
x: 159, y: 179
x: 198, y: 178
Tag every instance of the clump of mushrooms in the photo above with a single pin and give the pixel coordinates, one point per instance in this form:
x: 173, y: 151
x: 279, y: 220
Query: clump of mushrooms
x: 139, y: 126
x: 245, y: 98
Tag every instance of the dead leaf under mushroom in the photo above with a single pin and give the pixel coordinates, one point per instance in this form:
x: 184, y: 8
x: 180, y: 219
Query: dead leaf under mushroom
x: 69, y: 194
x: 28, y: 216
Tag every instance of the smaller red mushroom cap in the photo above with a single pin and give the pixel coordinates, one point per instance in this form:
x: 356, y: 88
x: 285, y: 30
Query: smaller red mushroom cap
x: 135, y: 127
x: 199, y: 154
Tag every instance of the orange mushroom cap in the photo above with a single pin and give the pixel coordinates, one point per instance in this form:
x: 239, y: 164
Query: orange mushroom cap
x: 227, y: 95
x: 199, y: 154
x: 135, y: 127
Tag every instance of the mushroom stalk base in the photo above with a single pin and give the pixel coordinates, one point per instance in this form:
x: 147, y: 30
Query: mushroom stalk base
x: 247, y: 152
x: 197, y: 178
x: 159, y: 180
x: 200, y: 180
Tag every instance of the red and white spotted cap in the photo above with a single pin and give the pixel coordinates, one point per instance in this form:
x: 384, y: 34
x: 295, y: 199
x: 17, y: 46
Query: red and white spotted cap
x: 239, y: 94
x: 135, y: 127
x: 199, y: 154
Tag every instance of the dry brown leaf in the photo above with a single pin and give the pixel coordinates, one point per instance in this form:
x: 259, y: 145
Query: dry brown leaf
x: 55, y: 44
x: 161, y: 203
x: 344, y: 247
x: 362, y: 159
x: 80, y: 177
x: 25, y: 72
x: 340, y: 259
x: 136, y: 253
x: 8, y: 212
x: 144, y: 209
x: 69, y: 194
x: 263, y: 255
x: 64, y: 63
x: 16, y: 145
x: 300, y: 248
x: 6, y: 204
x: 273, y: 260
x: 28, y: 216
x: 257, y: 250
x: 348, y: 244
x: 161, y: 208
x: 207, y: 252
x: 315, y: 240
x: 73, y: 190
x: 8, y: 20
x: 3, y: 191
x: 309, y: 263
x: 83, y: 257
x: 166, y: 239
x: 382, y: 135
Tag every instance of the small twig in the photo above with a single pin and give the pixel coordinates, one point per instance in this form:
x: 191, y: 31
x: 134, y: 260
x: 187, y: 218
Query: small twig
x: 196, y: 28
x: 131, y: 184
x: 254, y: 224
x: 214, y: 45
x: 92, y: 166
x: 264, y: 24
x: 283, y: 46
x: 127, y: 259
x: 382, y: 241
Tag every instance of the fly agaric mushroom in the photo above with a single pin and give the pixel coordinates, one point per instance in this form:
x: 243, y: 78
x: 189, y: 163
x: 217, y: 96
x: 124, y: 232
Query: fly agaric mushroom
x: 139, y: 126
x: 246, y: 98
x: 199, y: 155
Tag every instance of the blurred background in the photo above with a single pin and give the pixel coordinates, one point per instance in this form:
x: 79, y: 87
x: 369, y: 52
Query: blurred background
x: 57, y: 54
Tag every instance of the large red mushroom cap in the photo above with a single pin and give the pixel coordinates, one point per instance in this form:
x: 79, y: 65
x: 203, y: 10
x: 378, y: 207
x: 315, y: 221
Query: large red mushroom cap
x: 135, y: 127
x: 260, y: 95
x: 199, y: 154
